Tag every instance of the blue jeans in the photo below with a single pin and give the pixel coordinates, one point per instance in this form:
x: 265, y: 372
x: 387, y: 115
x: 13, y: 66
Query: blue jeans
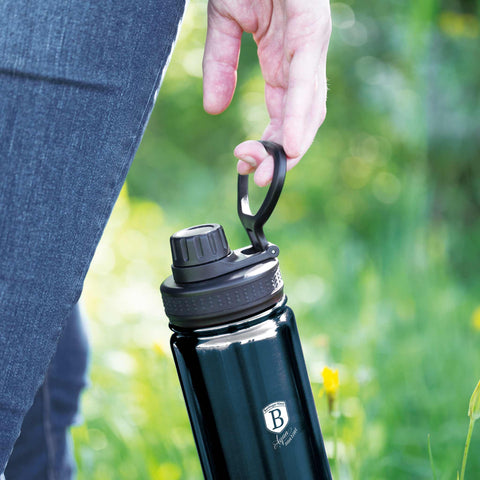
x: 78, y: 79
x: 44, y: 448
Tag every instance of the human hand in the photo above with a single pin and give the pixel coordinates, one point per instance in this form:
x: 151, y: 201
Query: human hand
x: 292, y: 38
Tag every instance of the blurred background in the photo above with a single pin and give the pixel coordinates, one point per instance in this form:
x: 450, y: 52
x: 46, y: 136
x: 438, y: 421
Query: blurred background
x: 379, y: 231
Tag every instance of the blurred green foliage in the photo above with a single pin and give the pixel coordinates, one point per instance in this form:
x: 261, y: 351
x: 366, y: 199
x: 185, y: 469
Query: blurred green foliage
x: 379, y: 230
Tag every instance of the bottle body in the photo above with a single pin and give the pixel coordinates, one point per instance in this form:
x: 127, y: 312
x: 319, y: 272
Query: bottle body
x: 249, y: 399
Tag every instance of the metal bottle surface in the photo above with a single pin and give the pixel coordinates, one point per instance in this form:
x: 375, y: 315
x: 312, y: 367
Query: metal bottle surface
x: 237, y: 351
x: 249, y: 399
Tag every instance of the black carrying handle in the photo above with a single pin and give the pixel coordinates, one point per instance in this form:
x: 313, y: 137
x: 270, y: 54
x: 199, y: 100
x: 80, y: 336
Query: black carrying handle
x: 253, y: 224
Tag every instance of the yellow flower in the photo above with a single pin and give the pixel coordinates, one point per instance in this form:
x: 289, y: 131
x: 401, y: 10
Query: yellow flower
x: 330, y: 386
x: 476, y: 318
x: 330, y: 381
x: 474, y: 406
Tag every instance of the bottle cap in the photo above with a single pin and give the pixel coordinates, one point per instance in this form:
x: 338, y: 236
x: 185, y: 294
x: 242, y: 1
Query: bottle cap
x: 212, y: 285
x: 198, y: 245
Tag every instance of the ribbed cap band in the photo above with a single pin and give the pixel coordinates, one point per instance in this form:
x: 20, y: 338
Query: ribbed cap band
x: 223, y: 299
x: 212, y: 285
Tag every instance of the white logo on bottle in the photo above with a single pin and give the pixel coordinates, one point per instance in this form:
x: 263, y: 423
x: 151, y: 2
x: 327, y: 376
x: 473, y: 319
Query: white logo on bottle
x: 276, y: 416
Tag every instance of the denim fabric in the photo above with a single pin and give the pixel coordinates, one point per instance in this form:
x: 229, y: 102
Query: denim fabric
x: 44, y: 448
x: 78, y: 80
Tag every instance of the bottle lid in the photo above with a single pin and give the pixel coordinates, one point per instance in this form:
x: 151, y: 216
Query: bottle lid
x: 213, y: 285
x: 198, y: 245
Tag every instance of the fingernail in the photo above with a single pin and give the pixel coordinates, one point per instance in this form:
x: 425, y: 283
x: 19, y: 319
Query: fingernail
x: 247, y: 159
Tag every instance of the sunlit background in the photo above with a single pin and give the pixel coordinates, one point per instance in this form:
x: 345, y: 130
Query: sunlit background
x: 379, y: 232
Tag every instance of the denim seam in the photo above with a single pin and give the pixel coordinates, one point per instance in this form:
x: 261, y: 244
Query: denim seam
x: 47, y: 429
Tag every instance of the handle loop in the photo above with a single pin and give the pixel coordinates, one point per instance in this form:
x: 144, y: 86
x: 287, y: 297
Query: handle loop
x: 253, y: 224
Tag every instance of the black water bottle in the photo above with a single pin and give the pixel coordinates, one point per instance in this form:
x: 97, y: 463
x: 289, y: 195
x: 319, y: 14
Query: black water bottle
x: 238, y: 353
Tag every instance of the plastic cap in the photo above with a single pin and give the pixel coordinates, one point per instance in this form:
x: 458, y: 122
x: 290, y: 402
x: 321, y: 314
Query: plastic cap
x: 199, y: 245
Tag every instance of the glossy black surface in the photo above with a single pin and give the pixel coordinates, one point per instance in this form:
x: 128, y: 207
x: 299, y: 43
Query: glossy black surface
x: 229, y: 375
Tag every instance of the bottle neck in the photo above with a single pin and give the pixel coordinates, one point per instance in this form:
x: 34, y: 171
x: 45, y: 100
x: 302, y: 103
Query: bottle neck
x: 236, y: 325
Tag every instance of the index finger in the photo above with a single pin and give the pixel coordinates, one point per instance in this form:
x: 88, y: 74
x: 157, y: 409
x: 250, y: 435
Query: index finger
x: 220, y: 64
x: 305, y: 101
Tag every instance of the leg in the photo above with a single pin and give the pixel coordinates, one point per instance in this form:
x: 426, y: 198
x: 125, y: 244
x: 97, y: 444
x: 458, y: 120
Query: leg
x: 77, y: 84
x: 43, y: 449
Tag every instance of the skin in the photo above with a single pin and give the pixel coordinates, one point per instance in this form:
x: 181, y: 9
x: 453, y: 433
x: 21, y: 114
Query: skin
x: 292, y: 38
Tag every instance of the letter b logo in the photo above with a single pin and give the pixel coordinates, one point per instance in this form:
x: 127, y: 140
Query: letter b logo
x: 276, y: 416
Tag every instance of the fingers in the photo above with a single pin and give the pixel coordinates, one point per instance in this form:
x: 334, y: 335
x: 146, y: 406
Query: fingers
x: 305, y: 103
x: 251, y: 154
x: 292, y: 54
x: 275, y: 97
x: 296, y: 107
x: 254, y: 158
x: 220, y: 64
x: 264, y: 172
x: 296, y: 114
